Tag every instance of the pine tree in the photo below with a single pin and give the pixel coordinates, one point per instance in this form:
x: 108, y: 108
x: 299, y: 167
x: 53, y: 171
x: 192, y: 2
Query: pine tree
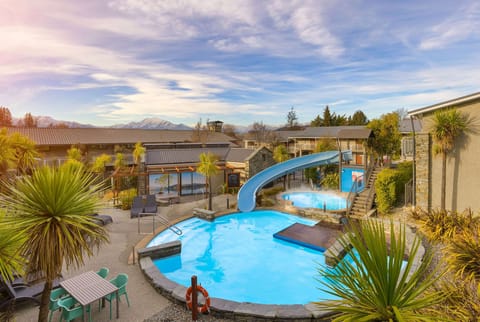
x: 5, y: 117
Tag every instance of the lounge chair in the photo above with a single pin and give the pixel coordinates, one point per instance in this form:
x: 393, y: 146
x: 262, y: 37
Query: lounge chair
x: 23, y: 292
x: 150, y: 205
x: 137, y: 207
x: 103, y: 220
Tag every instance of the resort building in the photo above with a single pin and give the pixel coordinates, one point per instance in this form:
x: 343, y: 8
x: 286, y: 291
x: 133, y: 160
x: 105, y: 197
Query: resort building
x: 171, y: 156
x: 463, y: 181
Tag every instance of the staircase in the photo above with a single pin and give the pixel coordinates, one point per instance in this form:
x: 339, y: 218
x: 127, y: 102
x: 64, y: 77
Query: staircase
x: 363, y: 201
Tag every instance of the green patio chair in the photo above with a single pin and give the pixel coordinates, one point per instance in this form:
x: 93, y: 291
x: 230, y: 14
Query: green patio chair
x: 55, y: 296
x: 70, y: 310
x: 103, y: 272
x: 119, y: 281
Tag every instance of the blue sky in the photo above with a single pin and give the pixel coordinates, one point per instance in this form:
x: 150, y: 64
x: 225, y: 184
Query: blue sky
x: 108, y: 62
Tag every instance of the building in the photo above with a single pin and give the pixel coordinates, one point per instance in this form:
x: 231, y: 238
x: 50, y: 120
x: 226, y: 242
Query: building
x: 463, y: 180
x: 171, y: 156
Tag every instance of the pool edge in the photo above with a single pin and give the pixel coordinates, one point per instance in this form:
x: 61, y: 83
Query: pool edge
x: 230, y: 309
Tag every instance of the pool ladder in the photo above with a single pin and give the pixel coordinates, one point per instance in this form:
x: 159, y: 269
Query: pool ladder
x: 173, y: 228
x: 164, y: 221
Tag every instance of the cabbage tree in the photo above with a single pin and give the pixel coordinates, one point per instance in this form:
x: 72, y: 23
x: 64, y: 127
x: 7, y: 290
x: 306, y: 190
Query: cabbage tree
x: 53, y: 208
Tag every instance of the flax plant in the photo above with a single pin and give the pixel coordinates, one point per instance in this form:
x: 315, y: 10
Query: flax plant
x: 376, y: 284
x: 53, y: 209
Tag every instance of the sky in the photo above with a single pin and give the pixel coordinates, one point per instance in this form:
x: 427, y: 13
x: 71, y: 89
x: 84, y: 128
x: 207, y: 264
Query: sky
x: 106, y: 62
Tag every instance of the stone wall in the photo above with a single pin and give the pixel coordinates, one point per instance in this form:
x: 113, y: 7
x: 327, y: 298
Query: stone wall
x: 258, y: 162
x: 423, y: 168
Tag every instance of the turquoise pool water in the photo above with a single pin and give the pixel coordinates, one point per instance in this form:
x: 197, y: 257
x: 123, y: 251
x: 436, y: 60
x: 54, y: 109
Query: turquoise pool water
x: 236, y: 258
x: 316, y: 200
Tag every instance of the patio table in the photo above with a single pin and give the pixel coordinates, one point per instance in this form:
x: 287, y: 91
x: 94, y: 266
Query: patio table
x: 89, y: 287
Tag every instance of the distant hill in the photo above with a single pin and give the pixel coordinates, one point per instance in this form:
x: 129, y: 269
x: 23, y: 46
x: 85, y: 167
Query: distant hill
x: 47, y: 121
x: 152, y: 123
x: 148, y: 123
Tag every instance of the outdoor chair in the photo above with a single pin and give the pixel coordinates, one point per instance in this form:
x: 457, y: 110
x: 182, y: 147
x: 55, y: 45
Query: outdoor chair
x: 70, y: 310
x: 119, y: 281
x: 20, y: 294
x: 137, y: 207
x: 150, y: 205
x: 55, y: 296
x: 103, y: 272
x: 102, y: 220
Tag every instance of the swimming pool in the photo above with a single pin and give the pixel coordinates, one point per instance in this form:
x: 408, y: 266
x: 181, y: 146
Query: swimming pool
x: 316, y: 200
x: 236, y: 258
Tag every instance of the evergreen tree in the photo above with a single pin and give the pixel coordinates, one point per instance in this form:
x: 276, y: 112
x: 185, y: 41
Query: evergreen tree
x: 327, y: 117
x: 5, y: 117
x: 292, y: 119
x: 29, y: 121
x: 358, y: 118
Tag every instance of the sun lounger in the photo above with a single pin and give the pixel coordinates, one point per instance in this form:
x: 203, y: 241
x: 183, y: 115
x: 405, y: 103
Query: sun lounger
x: 23, y: 292
x: 137, y: 207
x: 103, y: 220
x: 150, y: 205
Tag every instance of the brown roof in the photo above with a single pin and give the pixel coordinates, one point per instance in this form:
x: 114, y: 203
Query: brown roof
x: 70, y: 136
x: 182, y: 156
x: 239, y: 154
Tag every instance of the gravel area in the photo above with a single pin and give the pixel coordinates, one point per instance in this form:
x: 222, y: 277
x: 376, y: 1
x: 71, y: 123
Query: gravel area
x: 178, y: 313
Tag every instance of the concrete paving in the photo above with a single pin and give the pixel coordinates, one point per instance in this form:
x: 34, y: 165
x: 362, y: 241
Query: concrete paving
x: 116, y: 255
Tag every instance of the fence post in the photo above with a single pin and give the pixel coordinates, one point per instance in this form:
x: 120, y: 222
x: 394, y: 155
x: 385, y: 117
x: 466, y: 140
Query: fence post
x: 194, y: 298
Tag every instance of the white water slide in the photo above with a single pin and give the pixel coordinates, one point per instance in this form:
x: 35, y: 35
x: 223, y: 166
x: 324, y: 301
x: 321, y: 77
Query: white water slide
x: 247, y: 193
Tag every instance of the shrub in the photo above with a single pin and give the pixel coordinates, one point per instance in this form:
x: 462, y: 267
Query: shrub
x: 390, y: 186
x: 464, y: 254
x: 330, y: 181
x: 126, y: 198
x: 443, y: 225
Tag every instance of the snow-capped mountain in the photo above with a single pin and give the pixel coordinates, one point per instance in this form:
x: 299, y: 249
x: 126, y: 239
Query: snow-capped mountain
x: 152, y: 123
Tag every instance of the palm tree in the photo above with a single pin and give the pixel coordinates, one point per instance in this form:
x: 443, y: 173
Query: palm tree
x: 376, y: 284
x: 446, y: 126
x: 10, y: 259
x: 53, y: 208
x: 24, y: 152
x: 208, y: 168
x: 7, y: 154
x: 138, y: 152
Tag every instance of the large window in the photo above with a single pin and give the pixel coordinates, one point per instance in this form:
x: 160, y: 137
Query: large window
x: 164, y: 183
x: 192, y: 183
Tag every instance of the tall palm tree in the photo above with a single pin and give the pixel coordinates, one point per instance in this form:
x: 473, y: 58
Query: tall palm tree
x: 208, y: 168
x: 10, y: 259
x: 447, y: 125
x: 24, y: 152
x: 138, y: 152
x: 7, y: 153
x: 53, y: 208
x: 376, y: 284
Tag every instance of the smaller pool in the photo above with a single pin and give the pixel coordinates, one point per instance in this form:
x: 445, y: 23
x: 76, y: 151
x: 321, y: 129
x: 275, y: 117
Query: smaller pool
x: 312, y: 199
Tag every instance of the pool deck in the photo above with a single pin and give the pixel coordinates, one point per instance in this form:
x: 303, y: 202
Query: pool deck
x: 317, y: 237
x: 148, y: 290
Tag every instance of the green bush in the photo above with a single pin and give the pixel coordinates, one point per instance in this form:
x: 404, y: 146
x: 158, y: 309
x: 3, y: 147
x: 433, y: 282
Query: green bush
x: 126, y: 198
x: 330, y: 181
x: 390, y: 186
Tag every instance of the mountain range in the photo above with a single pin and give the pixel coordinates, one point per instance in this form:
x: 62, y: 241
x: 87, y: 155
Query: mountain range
x: 148, y: 123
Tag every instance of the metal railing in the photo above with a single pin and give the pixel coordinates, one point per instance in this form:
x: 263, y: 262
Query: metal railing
x: 353, y: 193
x: 164, y: 221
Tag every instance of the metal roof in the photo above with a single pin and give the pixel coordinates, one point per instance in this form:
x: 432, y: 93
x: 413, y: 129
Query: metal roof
x: 449, y: 103
x: 239, y: 154
x: 70, y: 136
x: 181, y: 156
x: 350, y: 132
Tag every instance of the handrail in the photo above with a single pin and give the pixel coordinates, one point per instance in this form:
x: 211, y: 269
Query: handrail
x: 351, y: 193
x: 162, y: 220
x: 173, y: 228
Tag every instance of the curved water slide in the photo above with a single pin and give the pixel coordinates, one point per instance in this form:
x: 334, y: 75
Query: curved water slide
x: 247, y: 193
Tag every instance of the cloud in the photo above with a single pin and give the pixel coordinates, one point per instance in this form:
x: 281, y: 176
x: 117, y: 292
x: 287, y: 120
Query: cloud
x: 460, y: 25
